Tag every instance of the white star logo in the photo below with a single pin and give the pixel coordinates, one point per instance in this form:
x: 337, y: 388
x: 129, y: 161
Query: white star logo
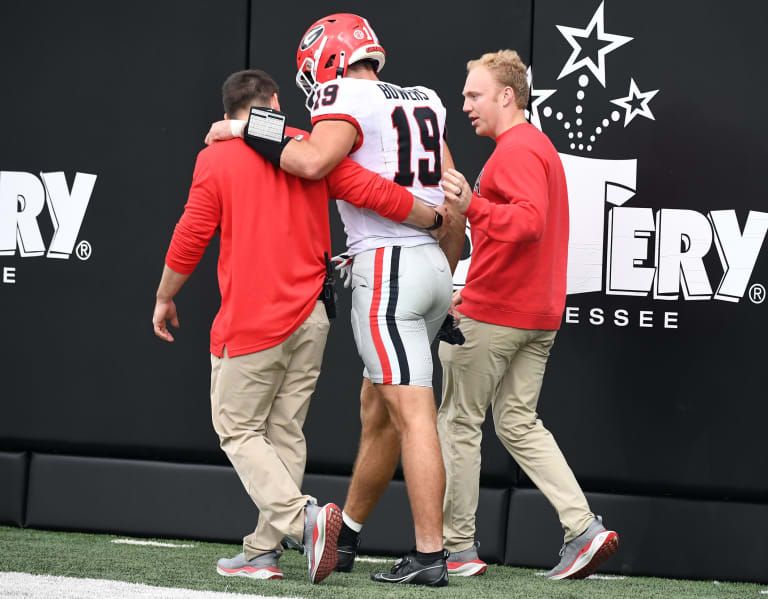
x: 570, y: 33
x: 629, y: 103
x: 539, y: 96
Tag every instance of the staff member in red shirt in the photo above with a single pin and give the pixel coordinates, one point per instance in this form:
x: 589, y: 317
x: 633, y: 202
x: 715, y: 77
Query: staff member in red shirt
x: 511, y: 308
x: 268, y: 337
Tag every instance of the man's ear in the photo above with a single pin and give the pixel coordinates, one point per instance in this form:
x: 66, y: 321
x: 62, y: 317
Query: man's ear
x: 226, y: 116
x: 274, y: 102
x: 509, y: 96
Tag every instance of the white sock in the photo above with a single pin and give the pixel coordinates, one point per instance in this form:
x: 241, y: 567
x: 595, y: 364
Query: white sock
x: 356, y: 526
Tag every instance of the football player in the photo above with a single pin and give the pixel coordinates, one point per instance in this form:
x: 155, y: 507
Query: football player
x: 401, y: 279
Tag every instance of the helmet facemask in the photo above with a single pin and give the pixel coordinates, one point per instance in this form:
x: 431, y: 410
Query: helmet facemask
x: 305, y: 80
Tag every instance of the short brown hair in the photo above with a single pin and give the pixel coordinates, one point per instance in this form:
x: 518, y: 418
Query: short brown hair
x: 509, y: 70
x: 244, y: 89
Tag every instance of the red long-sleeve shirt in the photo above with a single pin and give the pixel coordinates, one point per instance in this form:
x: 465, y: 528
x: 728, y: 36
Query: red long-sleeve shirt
x: 274, y: 230
x: 519, y: 224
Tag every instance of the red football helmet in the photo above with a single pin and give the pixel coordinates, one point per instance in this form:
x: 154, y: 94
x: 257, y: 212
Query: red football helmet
x: 330, y: 45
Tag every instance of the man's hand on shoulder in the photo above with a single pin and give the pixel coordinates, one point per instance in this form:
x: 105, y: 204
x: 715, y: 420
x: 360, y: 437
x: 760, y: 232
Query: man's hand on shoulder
x: 224, y: 130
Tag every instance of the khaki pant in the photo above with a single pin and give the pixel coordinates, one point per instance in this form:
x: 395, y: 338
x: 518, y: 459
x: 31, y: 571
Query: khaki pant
x: 258, y: 404
x: 502, y: 367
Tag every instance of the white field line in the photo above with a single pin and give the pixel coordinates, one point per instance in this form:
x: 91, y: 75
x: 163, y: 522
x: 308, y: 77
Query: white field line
x: 764, y: 592
x: 373, y: 560
x: 18, y: 585
x: 151, y: 543
x: 593, y: 577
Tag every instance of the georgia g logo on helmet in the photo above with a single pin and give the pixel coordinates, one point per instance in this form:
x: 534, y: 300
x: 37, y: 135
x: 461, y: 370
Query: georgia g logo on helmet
x: 312, y: 36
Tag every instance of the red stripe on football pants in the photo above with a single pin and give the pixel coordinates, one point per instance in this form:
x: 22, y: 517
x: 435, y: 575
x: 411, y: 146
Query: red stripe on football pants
x: 378, y: 343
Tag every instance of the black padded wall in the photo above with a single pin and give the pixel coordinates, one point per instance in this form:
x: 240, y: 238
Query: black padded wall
x: 207, y: 502
x: 143, y: 498
x: 677, y: 175
x: 13, y: 481
x: 125, y: 93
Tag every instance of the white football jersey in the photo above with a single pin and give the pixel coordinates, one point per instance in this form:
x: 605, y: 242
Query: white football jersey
x: 401, y: 133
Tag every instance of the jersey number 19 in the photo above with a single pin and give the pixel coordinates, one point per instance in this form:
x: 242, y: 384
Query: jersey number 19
x: 429, y: 133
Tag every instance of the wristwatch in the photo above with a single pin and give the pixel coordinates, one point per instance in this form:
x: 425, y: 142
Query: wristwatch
x: 438, y: 222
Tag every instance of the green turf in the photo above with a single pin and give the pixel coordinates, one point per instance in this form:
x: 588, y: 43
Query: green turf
x: 94, y: 556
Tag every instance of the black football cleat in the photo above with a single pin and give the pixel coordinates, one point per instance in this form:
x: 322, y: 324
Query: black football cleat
x: 347, y: 552
x: 409, y: 570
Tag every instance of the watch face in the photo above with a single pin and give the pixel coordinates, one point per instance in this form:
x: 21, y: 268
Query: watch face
x: 438, y: 222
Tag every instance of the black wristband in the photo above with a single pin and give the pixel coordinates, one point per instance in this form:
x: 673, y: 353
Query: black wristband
x: 438, y: 222
x: 271, y: 150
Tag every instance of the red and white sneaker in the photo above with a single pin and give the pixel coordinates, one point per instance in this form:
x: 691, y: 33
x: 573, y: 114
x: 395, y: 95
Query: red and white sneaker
x: 580, y: 557
x: 466, y: 563
x: 321, y: 534
x: 261, y: 567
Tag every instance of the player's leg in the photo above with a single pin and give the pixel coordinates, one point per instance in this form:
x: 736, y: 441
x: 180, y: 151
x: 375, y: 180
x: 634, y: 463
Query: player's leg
x: 377, y: 456
x: 423, y: 300
x: 417, y: 288
x: 412, y: 410
x: 379, y: 448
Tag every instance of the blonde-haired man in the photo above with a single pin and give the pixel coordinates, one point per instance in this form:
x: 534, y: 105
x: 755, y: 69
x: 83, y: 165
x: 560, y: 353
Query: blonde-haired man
x: 510, y: 311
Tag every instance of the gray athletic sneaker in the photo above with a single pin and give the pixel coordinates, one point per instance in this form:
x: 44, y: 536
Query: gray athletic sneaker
x: 321, y: 534
x: 261, y: 567
x: 466, y: 563
x: 583, y: 555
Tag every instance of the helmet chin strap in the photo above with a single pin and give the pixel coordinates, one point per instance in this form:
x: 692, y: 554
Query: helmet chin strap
x: 342, y: 59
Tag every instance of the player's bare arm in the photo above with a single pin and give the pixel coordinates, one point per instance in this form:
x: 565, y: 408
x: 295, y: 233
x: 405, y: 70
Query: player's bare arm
x: 316, y: 156
x: 308, y: 157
